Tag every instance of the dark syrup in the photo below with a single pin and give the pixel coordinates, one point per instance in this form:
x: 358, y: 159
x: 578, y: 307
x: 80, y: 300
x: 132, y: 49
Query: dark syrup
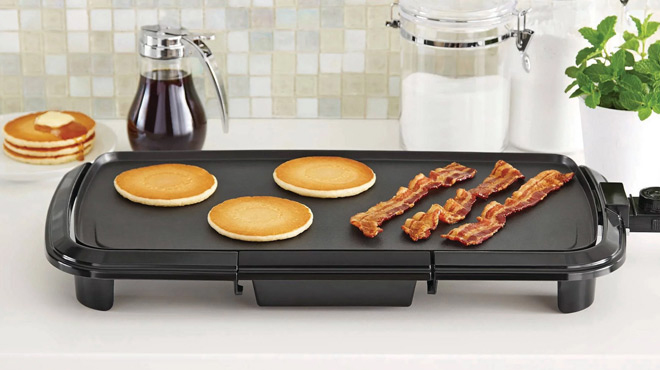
x: 166, y: 113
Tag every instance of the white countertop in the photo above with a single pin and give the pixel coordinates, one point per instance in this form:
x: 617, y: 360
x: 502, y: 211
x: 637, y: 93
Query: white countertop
x: 192, y: 324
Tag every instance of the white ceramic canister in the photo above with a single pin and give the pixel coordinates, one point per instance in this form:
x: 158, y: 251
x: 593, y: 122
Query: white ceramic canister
x: 455, y: 72
x: 543, y: 118
x: 621, y: 147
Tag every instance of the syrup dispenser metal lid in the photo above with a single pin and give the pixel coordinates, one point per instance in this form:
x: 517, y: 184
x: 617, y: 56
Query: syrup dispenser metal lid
x: 165, y: 43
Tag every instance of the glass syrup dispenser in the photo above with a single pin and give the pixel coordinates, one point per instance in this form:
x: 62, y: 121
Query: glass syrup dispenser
x: 167, y: 113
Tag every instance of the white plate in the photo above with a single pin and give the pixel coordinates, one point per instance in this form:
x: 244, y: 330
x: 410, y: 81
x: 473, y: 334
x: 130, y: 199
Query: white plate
x: 12, y: 170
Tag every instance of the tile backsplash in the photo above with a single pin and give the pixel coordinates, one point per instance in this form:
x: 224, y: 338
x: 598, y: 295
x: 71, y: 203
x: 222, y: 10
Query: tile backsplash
x: 279, y: 58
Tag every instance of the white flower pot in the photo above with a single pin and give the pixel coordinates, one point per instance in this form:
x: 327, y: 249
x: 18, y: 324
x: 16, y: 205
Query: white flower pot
x: 621, y: 147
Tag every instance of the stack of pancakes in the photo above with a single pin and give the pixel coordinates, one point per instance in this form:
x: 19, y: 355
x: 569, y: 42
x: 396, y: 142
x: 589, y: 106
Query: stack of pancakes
x: 49, y: 143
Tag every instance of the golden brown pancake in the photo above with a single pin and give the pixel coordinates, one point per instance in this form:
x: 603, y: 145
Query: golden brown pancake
x: 49, y: 152
x: 50, y: 160
x: 324, y: 177
x: 260, y: 219
x: 28, y: 142
x: 166, y: 185
x: 23, y: 132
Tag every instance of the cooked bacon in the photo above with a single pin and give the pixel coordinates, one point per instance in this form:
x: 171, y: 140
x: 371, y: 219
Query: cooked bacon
x: 494, y: 215
x: 422, y: 224
x: 369, y: 222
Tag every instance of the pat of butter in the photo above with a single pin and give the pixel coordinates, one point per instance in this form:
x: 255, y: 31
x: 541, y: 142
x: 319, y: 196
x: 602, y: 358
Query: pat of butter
x: 53, y: 119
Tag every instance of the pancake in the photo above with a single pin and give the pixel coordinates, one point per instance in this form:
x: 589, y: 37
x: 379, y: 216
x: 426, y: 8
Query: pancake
x: 166, y: 185
x: 23, y: 132
x: 49, y: 160
x: 260, y: 219
x: 324, y: 177
x: 49, y: 152
x: 49, y: 137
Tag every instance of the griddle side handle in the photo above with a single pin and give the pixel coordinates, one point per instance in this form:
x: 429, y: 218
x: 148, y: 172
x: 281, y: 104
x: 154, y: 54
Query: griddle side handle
x: 616, y: 200
x: 58, y: 220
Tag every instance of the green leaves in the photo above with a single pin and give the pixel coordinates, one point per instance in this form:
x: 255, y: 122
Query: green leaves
x: 606, y: 28
x: 586, y: 54
x: 618, y: 80
x: 594, y: 37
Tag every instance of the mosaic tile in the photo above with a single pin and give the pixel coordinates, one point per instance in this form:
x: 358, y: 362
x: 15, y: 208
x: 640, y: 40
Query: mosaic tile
x: 80, y: 86
x: 8, y: 20
x: 11, y: 86
x: 10, y: 64
x: 306, y: 85
x: 262, y: 18
x: 329, y: 84
x: 239, y: 107
x: 35, y: 104
x: 260, y: 64
x: 78, y: 42
x: 31, y: 42
x: 307, y: 107
x: 102, y: 64
x: 33, y: 64
x: 284, y: 63
x: 56, y: 65
x: 355, y: 17
x: 329, y: 107
x: 352, y: 84
x: 123, y: 20
x: 34, y: 86
x: 284, y: 40
x: 260, y: 86
x: 237, y: 64
x: 307, y: 63
x: 55, y: 42
x: 53, y: 19
x: 283, y: 85
x: 285, y: 18
x: 377, y: 108
x: 31, y: 19
x: 261, y: 41
x: 284, y: 107
x: 308, y: 18
x: 332, y: 17
x: 100, y: 42
x: 56, y: 86
x: 352, y: 107
x: 376, y: 62
x: 262, y: 107
x: 192, y: 19
x: 77, y: 20
x: 307, y: 40
x: 353, y: 62
x: 103, y: 108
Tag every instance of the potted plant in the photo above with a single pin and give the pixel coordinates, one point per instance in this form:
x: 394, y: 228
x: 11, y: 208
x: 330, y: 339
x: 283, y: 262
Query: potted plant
x: 620, y: 91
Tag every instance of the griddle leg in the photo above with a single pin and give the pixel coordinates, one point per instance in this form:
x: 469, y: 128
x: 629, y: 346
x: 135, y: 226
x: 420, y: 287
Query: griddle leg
x: 95, y: 293
x: 574, y: 296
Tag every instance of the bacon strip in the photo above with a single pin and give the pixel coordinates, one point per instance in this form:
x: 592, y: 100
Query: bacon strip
x: 422, y: 224
x: 368, y: 222
x: 494, y: 214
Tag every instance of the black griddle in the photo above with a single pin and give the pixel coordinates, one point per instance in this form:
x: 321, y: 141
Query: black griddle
x: 573, y: 236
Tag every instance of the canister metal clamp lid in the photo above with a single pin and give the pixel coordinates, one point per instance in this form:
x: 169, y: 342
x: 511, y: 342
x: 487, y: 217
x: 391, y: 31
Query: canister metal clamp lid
x: 522, y: 34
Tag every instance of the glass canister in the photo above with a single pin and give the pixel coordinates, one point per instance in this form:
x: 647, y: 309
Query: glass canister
x: 543, y: 118
x: 455, y: 72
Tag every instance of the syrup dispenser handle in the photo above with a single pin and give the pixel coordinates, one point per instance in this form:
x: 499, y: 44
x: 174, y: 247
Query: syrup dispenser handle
x: 197, y: 43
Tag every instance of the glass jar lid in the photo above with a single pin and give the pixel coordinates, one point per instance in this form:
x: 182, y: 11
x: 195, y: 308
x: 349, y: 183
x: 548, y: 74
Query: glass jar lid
x: 458, y: 14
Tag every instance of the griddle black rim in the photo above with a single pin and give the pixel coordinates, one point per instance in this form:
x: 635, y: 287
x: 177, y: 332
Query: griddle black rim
x: 100, y: 264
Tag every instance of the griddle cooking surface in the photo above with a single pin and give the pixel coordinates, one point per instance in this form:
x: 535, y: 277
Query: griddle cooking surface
x: 565, y: 220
